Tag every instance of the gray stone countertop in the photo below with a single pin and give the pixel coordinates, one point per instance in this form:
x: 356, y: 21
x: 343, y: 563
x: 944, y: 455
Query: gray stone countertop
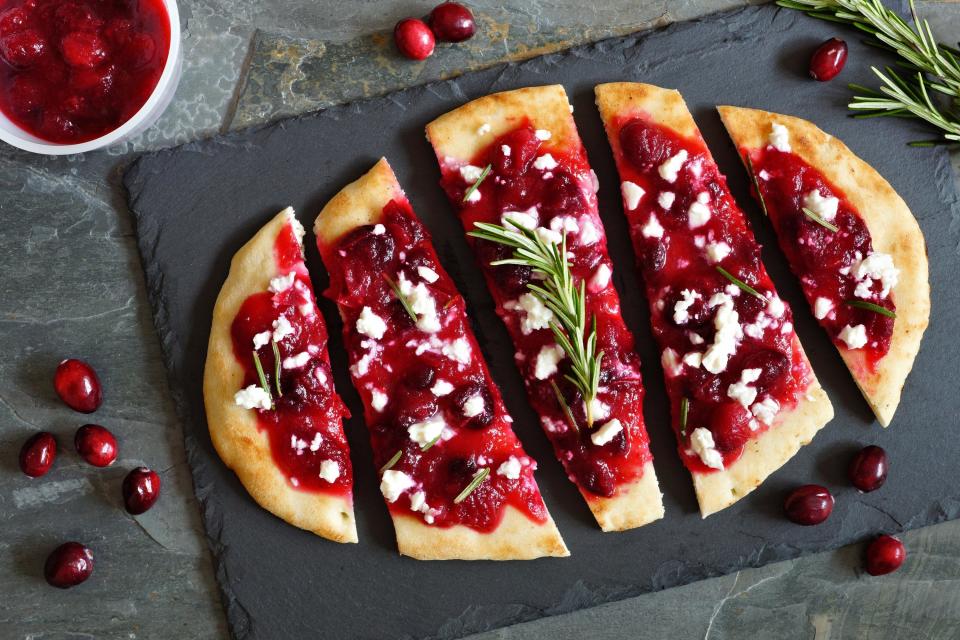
x: 72, y: 286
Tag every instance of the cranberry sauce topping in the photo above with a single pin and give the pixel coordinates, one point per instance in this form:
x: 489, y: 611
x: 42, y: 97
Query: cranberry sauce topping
x: 303, y: 418
x: 536, y: 185
x: 436, y: 419
x: 74, y: 71
x: 835, y: 267
x: 731, y: 355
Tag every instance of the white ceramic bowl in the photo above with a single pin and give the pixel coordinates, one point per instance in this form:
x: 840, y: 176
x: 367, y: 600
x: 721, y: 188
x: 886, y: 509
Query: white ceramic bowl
x: 146, y: 116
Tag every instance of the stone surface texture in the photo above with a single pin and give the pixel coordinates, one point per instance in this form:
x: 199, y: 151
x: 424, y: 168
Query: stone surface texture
x: 72, y: 286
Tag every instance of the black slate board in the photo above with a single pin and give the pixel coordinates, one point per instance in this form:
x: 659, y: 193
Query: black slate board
x: 196, y: 204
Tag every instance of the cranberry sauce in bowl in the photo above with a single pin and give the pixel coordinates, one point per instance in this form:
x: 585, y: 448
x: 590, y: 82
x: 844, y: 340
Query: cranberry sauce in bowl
x: 74, y: 71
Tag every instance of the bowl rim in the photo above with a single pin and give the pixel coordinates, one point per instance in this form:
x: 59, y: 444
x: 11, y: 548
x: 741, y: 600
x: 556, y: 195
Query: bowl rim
x: 169, y: 72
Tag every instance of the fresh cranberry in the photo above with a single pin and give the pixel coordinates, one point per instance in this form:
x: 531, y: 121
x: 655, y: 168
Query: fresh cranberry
x: 464, y: 399
x: 140, y: 50
x: 774, y: 367
x: 598, y: 478
x: 84, y: 49
x: 57, y: 126
x: 885, y: 555
x: 141, y: 488
x: 868, y: 469
x: 730, y: 425
x: 452, y: 22
x: 808, y: 505
x: 564, y: 197
x: 96, y: 445
x: 72, y: 16
x: 420, y: 376
x: 643, y: 145
x: 118, y: 30
x: 78, y: 386
x: 523, y: 146
x: 23, y: 48
x: 12, y: 20
x: 414, y: 38
x: 38, y: 454
x: 26, y: 95
x: 68, y: 565
x: 828, y: 60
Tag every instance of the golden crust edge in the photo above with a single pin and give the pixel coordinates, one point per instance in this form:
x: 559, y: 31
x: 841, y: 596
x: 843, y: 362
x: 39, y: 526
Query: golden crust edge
x: 234, y: 432
x: 635, y: 505
x: 893, y: 228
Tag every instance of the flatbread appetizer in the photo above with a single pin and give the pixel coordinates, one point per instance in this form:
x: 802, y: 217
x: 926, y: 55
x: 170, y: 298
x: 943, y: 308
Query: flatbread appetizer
x: 273, y: 414
x: 516, y: 171
x: 852, y: 241
x: 743, y: 395
x: 456, y: 480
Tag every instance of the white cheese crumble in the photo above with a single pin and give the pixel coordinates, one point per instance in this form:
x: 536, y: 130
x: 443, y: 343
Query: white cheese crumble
x: 428, y: 274
x: 379, y: 229
x: 527, y: 219
x: 547, y: 359
x: 261, y: 339
x: 441, y: 388
x: 393, y: 483
x: 854, y: 337
x: 505, y: 150
x: 765, y: 410
x: 470, y: 173
x: 699, y: 213
x: 315, y: 443
x: 826, y: 208
x: 671, y: 365
x: 423, y: 433
x: 370, y: 324
x: 378, y: 400
x: 281, y: 329
x: 535, y: 315
x: 652, y: 229
x: 741, y: 391
x: 484, y: 129
x: 329, y: 470
x: 606, y: 433
x: 549, y: 236
x: 510, y: 469
x: 421, y: 302
x: 565, y: 224
x: 776, y: 307
x: 253, y: 397
x: 876, y: 266
x: 693, y: 359
x: 588, y: 231
x: 600, y: 278
x: 282, y: 283
x: 726, y: 322
x: 542, y: 134
x: 459, y: 350
x: 780, y: 138
x: 717, y: 251
x: 822, y: 307
x: 474, y: 196
x: 631, y: 194
x: 670, y: 169
x: 599, y: 410
x: 701, y: 441
x: 296, y: 361
x: 666, y: 198
x: 545, y: 163
x: 474, y: 406
x: 681, y: 310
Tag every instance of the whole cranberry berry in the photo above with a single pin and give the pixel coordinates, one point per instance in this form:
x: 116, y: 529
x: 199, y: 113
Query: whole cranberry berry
x: 23, y: 48
x: 38, y: 454
x: 828, y: 60
x: 68, y: 565
x: 96, y: 445
x: 452, y: 22
x: 78, y: 386
x: 141, y: 488
x: 868, y: 469
x: 84, y: 49
x: 885, y: 555
x: 809, y: 504
x: 414, y: 38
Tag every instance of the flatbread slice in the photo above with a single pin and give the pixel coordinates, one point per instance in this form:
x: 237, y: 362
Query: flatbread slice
x: 288, y: 450
x: 744, y: 398
x: 539, y: 177
x: 456, y: 480
x: 814, y: 168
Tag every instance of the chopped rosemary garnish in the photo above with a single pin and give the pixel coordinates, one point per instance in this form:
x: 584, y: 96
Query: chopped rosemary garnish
x: 476, y: 185
x: 261, y: 375
x: 427, y: 446
x: 684, y: 410
x: 740, y: 283
x: 869, y: 306
x: 276, y: 367
x: 561, y: 295
x: 819, y: 220
x: 564, y: 406
x: 392, y: 461
x: 756, y: 184
x: 400, y: 297
x: 478, y: 477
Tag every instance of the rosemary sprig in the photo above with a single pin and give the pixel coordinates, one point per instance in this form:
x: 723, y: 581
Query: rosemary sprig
x: 756, y: 184
x: 401, y: 297
x: 869, y: 306
x: 740, y: 283
x: 276, y: 367
x: 476, y: 185
x: 392, y: 461
x: 929, y: 65
x: 564, y: 406
x: 478, y: 477
x: 561, y: 295
x: 430, y: 444
x: 684, y: 412
x: 820, y: 220
x: 261, y: 375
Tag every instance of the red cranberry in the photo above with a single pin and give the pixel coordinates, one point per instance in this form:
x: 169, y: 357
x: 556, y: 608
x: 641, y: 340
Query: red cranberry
x: 885, y: 555
x: 12, y: 20
x: 730, y: 424
x: 452, y: 22
x: 118, y: 30
x: 809, y: 504
x: 57, y: 126
x: 644, y: 145
x: 26, y: 94
x: 38, y: 454
x: 414, y: 38
x: 96, y: 445
x: 23, y: 48
x: 828, y: 60
x: 84, y: 49
x: 71, y: 16
x: 68, y: 565
x: 78, y: 386
x: 141, y: 488
x: 140, y: 50
x: 523, y: 145
x: 868, y: 469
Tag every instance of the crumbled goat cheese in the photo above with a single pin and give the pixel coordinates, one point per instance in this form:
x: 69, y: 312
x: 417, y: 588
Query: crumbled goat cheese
x: 826, y: 208
x: 606, y: 433
x: 441, y: 388
x: 370, y: 324
x: 652, y: 229
x: 474, y: 406
x: 631, y: 194
x: 681, y: 310
x: 741, y: 391
x: 666, y: 198
x: 876, y: 266
x: 510, y: 469
x: 693, y: 359
x: 701, y: 441
x: 315, y: 443
x: 600, y: 278
x: 765, y: 410
x: 547, y: 359
x: 671, y: 365
x: 775, y: 306
x: 699, y: 213
x: 822, y: 307
x: 329, y: 470
x: 281, y: 329
x: 423, y: 433
x: 545, y: 163
x: 261, y: 339
x: 421, y: 302
x: 470, y: 173
x: 589, y: 233
x: 505, y: 150
x: 484, y: 129
x: 379, y: 229
x: 599, y: 410
x: 726, y: 322
x: 670, y: 169
x: 253, y: 397
x: 854, y: 337
x: 282, y: 283
x: 393, y: 483
x: 378, y: 400
x: 527, y: 219
x: 535, y: 314
x: 459, y: 350
x: 428, y: 274
x: 542, y: 134
x: 780, y: 138
x: 717, y: 251
x: 296, y: 361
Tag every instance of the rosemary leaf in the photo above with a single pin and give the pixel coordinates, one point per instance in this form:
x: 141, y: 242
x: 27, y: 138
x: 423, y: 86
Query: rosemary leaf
x: 476, y: 185
x: 401, y: 297
x: 478, y: 478
x: 684, y: 411
x: 564, y: 406
x: 869, y: 306
x: 276, y: 367
x: 819, y: 220
x: 740, y: 283
x: 756, y: 184
x: 261, y: 375
x: 430, y: 444
x: 392, y: 461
